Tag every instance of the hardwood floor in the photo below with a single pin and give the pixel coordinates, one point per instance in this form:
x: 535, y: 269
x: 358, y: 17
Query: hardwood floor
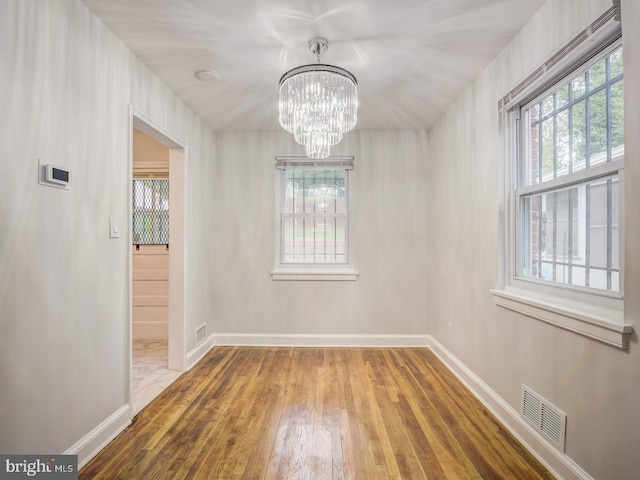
x: 315, y: 413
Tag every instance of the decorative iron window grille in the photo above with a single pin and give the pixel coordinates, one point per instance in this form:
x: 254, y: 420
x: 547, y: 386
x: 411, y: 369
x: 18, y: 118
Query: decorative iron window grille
x: 151, y: 212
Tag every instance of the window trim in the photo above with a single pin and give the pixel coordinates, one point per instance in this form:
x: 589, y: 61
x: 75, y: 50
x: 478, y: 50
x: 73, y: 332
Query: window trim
x: 307, y: 271
x: 594, y: 314
x: 598, y: 322
x: 518, y: 123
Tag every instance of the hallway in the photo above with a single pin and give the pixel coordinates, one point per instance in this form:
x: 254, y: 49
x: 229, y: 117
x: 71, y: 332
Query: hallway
x: 150, y: 373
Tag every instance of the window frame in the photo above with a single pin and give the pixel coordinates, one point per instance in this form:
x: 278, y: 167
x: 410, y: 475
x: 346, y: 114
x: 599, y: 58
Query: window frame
x: 597, y: 314
x: 613, y: 167
x: 344, y: 271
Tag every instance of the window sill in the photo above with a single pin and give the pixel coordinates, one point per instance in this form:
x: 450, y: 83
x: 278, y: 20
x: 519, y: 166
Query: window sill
x: 604, y: 324
x: 322, y: 274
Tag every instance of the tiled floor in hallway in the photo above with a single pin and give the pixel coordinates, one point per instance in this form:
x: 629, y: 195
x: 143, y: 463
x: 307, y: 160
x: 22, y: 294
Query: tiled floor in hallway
x: 151, y: 374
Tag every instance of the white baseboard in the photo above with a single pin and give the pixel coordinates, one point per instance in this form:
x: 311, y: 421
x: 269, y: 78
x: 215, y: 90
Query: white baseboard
x: 319, y: 340
x: 88, y: 446
x: 558, y: 463
x: 195, y: 355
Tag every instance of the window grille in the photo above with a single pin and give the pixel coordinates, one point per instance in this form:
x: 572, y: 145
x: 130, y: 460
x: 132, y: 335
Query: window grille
x: 314, y: 212
x: 568, y: 195
x: 151, y: 212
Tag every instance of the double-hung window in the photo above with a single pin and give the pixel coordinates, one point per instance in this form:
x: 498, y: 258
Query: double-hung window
x: 563, y: 131
x: 313, y: 219
x: 569, y: 171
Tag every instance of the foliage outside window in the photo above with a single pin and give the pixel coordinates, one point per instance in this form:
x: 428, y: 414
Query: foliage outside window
x: 569, y: 178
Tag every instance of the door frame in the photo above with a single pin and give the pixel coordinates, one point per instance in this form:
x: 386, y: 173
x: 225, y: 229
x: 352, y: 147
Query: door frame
x: 177, y: 170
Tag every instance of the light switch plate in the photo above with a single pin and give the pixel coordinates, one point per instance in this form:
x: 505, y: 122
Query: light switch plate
x: 114, y: 227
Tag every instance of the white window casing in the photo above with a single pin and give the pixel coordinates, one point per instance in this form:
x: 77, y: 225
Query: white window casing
x: 312, y: 234
x: 535, y: 279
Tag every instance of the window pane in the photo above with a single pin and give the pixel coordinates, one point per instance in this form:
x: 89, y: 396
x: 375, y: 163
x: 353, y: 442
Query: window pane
x: 598, y: 128
x: 580, y: 127
x: 578, y: 136
x: 547, y: 106
x: 547, y: 147
x: 578, y: 276
x: 569, y: 221
x: 293, y: 191
x: 598, y: 279
x: 614, y: 199
x: 604, y: 227
x: 578, y: 87
x: 565, y: 242
x: 562, y: 96
x: 617, y: 119
x: 597, y: 74
x: 288, y: 239
x: 308, y: 242
x: 534, y: 154
x: 314, y: 216
x: 615, y: 63
x: 615, y: 281
x: 562, y: 143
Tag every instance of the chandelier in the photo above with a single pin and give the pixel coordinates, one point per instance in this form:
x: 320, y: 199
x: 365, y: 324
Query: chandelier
x: 318, y: 103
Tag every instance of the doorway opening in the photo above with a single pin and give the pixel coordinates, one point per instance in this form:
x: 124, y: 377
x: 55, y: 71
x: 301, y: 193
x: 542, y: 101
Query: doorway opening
x: 156, y: 261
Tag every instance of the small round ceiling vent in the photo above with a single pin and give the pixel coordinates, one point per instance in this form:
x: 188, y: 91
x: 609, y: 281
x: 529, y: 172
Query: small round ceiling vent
x: 207, y: 75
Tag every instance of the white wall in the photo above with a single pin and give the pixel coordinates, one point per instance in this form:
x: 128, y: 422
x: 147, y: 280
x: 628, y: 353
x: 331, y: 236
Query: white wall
x: 150, y: 157
x: 595, y: 384
x: 425, y: 230
x: 67, y: 83
x: 388, y: 232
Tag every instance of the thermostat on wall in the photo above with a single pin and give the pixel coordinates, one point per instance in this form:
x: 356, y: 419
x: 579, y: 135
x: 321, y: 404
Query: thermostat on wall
x: 54, y: 175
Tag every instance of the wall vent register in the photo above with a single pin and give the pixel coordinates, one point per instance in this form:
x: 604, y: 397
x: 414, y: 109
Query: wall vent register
x: 546, y: 418
x: 201, y: 334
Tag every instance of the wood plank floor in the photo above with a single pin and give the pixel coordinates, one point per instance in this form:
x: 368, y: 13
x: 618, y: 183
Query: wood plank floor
x: 315, y: 413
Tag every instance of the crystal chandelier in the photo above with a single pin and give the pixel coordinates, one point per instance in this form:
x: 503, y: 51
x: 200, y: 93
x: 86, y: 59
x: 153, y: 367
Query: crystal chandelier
x: 318, y: 103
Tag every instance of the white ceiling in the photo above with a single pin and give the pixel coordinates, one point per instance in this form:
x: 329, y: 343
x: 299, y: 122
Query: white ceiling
x: 412, y: 58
